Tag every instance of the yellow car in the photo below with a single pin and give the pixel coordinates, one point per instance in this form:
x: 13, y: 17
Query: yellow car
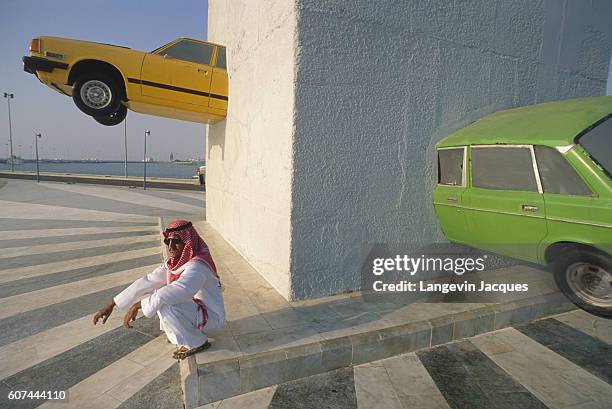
x: 184, y: 79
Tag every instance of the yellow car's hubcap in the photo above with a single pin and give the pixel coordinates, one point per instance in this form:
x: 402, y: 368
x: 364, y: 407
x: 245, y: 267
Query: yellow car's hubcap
x: 96, y: 94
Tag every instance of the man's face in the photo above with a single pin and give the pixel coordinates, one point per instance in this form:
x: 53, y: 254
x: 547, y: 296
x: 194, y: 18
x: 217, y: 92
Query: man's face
x: 175, y: 246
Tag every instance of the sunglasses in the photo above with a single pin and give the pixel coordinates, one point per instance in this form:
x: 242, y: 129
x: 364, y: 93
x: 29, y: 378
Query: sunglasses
x: 174, y: 240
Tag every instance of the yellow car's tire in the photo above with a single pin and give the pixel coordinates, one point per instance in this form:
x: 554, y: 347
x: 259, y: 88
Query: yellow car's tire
x: 113, y: 119
x: 96, y: 94
x: 585, y: 277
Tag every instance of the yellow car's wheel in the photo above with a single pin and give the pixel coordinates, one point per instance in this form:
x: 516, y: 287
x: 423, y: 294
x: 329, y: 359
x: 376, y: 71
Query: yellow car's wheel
x: 113, y: 119
x: 96, y: 94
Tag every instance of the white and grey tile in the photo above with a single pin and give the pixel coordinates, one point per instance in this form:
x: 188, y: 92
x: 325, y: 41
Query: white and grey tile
x: 67, y: 251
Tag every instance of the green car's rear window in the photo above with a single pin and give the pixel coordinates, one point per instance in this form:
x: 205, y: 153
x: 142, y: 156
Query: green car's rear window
x: 450, y: 166
x: 598, y: 143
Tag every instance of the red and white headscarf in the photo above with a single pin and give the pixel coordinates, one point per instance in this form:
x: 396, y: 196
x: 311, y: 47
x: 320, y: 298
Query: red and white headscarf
x: 195, y: 249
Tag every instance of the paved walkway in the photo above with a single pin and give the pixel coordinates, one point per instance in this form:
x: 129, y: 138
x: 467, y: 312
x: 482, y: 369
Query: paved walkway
x: 559, y: 362
x: 68, y: 249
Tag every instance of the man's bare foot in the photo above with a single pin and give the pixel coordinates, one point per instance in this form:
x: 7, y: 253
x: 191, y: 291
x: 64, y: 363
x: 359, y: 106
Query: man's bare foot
x: 183, y: 352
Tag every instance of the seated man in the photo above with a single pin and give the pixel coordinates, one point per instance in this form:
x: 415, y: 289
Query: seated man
x: 184, y: 291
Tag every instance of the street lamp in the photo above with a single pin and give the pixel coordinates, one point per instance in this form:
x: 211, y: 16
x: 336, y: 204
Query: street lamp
x: 125, y: 144
x: 8, y: 100
x: 144, y: 185
x: 36, y: 137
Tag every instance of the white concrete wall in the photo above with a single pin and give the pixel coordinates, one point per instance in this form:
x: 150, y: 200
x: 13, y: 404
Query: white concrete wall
x: 609, y: 86
x: 249, y: 164
x: 335, y: 107
x: 380, y: 82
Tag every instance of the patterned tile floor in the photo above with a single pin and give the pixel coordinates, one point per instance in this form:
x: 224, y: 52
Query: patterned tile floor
x: 67, y: 249
x: 559, y: 362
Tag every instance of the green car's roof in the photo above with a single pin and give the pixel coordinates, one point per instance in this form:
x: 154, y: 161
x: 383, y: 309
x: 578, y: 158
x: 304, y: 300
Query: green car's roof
x: 550, y: 124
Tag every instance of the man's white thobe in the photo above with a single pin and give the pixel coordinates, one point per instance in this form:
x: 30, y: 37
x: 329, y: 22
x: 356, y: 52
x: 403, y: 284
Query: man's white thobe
x: 173, y: 302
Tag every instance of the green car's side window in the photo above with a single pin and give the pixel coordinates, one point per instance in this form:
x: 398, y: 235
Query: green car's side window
x: 557, y: 175
x: 451, y: 166
x: 503, y: 168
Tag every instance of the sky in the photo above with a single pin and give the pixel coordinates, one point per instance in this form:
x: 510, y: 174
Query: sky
x: 68, y: 133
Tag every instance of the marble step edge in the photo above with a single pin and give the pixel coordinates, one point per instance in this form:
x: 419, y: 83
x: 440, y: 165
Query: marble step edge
x: 216, y: 380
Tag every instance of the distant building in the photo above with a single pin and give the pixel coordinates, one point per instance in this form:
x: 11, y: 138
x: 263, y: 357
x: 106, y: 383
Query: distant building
x: 171, y: 157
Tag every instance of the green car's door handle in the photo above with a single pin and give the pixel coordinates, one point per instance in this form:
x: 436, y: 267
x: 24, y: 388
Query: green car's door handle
x: 530, y: 208
x: 452, y: 198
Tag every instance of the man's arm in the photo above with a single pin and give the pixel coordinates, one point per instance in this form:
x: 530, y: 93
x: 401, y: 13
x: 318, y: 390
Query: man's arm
x: 147, y: 284
x: 179, y: 291
x: 152, y: 281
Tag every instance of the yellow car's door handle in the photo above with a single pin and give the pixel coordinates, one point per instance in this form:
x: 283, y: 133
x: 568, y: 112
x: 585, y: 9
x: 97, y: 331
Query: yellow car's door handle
x: 452, y: 198
x: 205, y: 72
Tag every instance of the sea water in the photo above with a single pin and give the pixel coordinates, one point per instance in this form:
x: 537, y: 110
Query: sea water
x: 154, y: 169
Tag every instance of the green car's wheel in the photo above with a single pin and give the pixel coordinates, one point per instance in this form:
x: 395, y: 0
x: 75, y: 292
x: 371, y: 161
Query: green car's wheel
x: 585, y: 277
x: 113, y: 119
x: 96, y: 94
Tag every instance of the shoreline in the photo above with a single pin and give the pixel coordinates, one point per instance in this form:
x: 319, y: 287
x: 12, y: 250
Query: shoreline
x: 113, y: 180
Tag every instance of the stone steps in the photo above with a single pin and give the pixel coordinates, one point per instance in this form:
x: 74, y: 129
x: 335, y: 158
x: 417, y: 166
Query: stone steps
x: 214, y: 380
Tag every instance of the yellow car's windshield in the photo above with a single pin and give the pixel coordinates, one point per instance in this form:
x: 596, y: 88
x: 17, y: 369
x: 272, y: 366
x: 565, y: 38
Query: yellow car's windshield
x: 160, y: 47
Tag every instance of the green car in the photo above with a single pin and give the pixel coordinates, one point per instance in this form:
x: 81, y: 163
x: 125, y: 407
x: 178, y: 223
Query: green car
x: 534, y: 183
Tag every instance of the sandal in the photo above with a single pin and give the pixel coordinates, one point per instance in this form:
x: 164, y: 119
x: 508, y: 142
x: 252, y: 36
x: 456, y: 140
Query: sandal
x: 183, y: 352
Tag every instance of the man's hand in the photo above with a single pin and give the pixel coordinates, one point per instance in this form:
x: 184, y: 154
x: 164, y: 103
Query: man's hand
x: 104, y: 313
x: 131, y: 315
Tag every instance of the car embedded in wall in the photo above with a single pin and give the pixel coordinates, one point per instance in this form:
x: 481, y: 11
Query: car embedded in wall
x: 534, y: 183
x: 185, y: 79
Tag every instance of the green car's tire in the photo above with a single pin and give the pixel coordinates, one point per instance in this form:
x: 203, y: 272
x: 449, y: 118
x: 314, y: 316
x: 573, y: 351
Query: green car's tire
x: 585, y: 277
x: 96, y: 94
x: 113, y: 119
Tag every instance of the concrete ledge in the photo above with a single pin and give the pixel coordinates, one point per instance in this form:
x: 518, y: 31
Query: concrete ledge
x: 181, y: 184
x: 268, y: 341
x: 189, y: 382
x: 223, y: 378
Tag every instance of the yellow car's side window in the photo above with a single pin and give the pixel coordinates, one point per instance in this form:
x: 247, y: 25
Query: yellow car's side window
x: 191, y: 51
x: 221, y: 58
